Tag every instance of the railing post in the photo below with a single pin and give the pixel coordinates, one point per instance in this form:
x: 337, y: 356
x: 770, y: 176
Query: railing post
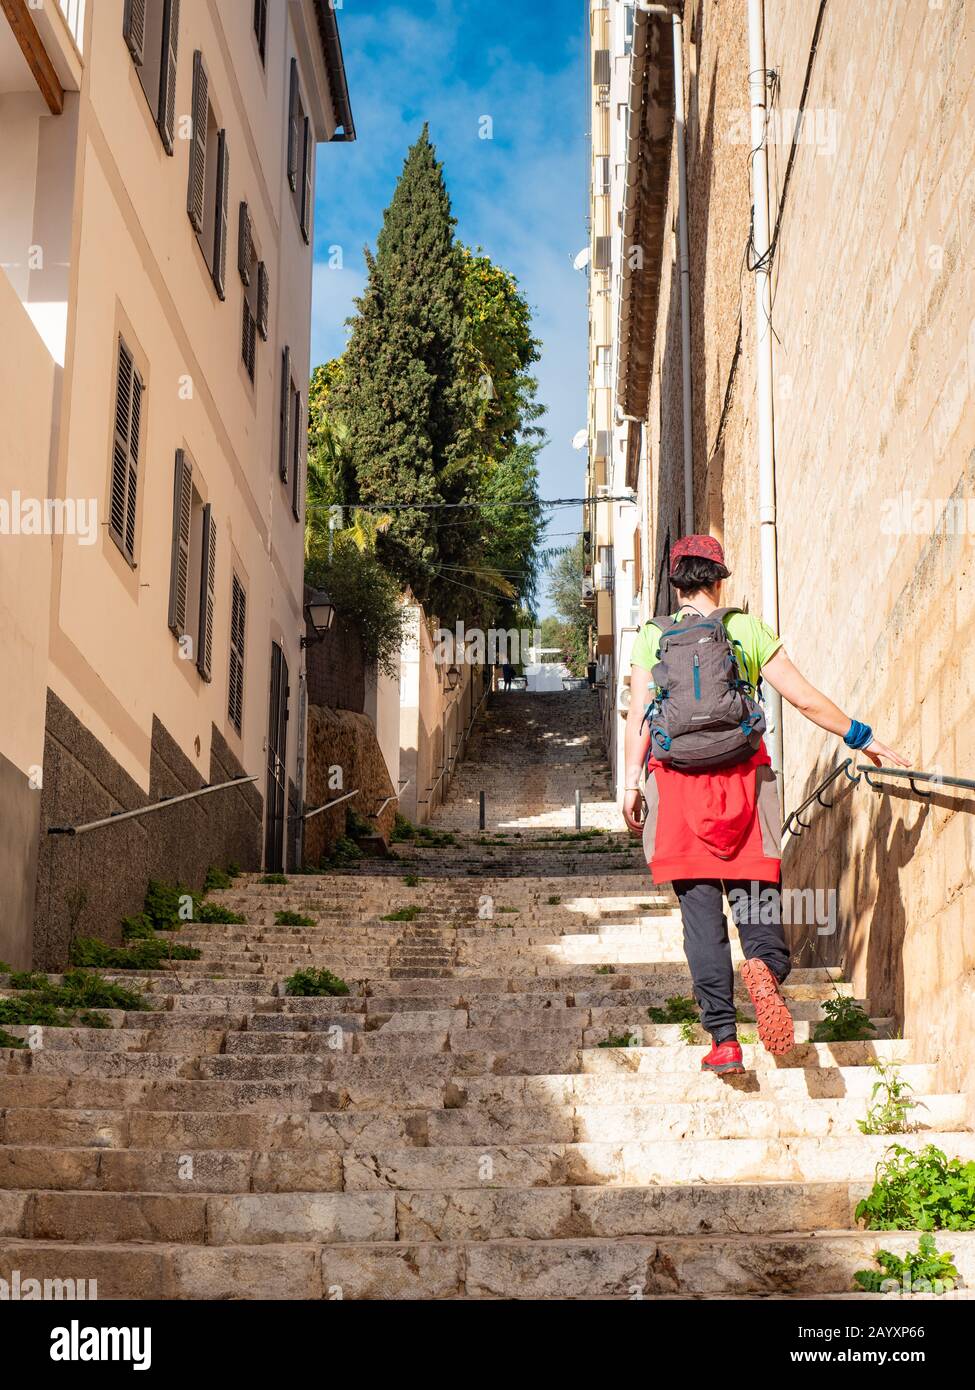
x: 578, y: 809
x: 481, y: 812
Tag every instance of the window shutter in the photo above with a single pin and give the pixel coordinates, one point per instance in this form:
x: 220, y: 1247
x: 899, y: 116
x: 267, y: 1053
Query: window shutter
x: 208, y: 571
x: 284, y: 412
x: 134, y: 29
x: 307, y: 181
x: 296, y: 459
x: 180, y: 566
x: 293, y: 126
x: 167, y: 78
x: 125, y: 408
x: 132, y: 491
x: 244, y: 244
x: 220, y: 219
x: 238, y: 628
x: 248, y: 342
x: 263, y: 298
x: 198, y: 147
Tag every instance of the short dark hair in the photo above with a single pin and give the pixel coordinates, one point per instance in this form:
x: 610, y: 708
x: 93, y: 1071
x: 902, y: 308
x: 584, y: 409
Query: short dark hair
x: 694, y: 573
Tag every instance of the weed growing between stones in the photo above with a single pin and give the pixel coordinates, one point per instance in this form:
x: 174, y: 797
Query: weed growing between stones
x: 412, y: 880
x: 620, y: 1040
x: 845, y: 1021
x: 137, y: 955
x: 68, y: 1004
x: 923, y: 1191
x: 889, y: 1102
x: 403, y: 914
x: 554, y: 900
x: 8, y: 1040
x: 292, y: 919
x: 923, y: 1270
x: 311, y: 983
x: 273, y: 878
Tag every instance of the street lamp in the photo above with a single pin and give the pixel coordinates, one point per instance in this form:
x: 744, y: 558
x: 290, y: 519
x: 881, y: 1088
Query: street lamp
x: 320, y: 612
x: 452, y: 677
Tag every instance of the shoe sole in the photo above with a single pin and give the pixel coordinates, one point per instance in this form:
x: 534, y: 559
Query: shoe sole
x: 725, y: 1068
x: 776, y: 1031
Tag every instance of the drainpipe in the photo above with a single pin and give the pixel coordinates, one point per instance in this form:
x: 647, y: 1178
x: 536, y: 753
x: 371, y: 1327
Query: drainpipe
x: 680, y: 123
x: 758, y: 96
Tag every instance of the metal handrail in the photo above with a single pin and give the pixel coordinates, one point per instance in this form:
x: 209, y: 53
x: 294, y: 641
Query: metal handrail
x: 307, y: 815
x: 912, y: 776
x: 817, y: 795
x: 160, y: 805
x: 395, y: 796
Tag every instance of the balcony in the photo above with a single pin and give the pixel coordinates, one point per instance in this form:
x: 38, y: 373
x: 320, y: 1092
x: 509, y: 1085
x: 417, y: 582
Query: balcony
x: 40, y: 50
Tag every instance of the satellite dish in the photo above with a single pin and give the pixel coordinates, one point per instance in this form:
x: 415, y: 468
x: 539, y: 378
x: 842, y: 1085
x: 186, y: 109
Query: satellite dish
x: 580, y: 439
x: 582, y: 260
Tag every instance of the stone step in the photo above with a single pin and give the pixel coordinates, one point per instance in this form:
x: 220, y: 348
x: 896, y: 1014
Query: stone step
x: 588, y: 1267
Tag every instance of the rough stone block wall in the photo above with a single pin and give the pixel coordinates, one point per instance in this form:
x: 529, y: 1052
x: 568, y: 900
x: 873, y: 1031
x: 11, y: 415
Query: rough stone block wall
x: 875, y: 428
x: 347, y: 740
x: 86, y: 884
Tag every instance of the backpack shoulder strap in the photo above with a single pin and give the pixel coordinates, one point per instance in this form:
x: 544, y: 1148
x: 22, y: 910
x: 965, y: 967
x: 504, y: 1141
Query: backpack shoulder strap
x: 721, y: 614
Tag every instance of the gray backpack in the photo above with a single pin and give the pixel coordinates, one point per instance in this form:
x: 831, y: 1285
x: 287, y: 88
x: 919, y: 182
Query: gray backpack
x: 705, y: 712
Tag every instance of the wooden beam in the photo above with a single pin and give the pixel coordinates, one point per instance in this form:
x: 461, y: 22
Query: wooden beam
x: 32, y: 47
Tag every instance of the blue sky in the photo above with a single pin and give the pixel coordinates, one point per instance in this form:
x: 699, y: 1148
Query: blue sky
x: 521, y: 195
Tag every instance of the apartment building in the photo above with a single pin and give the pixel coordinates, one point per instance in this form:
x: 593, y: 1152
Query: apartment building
x: 156, y: 236
x: 811, y: 403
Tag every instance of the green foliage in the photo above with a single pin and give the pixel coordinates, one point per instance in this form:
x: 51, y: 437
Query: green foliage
x: 358, y: 825
x: 413, y: 880
x: 216, y: 912
x: 889, y: 1102
x: 748, y: 1039
x: 344, y: 851
x: 293, y: 919
x: 845, y: 1021
x: 920, y: 1271
x: 605, y: 969
x: 138, y: 955
x: 403, y: 914
x: 5, y: 967
x: 216, y: 878
x: 678, y: 1009
x: 273, y: 878
x: 688, y: 1031
x: 566, y: 570
x: 162, y: 904
x: 403, y: 829
x: 553, y: 900
x: 69, y: 1003
x: 137, y: 928
x: 8, y: 1040
x: 366, y: 597
x: 29, y: 979
x: 311, y: 982
x: 923, y: 1191
x: 620, y: 1040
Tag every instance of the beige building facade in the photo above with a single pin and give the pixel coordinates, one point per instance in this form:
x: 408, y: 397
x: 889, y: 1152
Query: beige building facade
x: 156, y: 239
x: 871, y: 192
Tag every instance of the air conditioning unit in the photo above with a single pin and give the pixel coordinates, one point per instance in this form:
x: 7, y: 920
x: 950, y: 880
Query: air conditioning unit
x: 588, y: 591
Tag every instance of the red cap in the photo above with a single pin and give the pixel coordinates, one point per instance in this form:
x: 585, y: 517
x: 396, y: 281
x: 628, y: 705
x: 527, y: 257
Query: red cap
x: 704, y: 547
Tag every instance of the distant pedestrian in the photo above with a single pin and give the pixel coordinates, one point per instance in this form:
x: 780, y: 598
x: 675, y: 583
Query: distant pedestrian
x: 507, y: 674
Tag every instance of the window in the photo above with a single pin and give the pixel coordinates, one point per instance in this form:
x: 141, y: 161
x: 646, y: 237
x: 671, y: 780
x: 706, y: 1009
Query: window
x: 260, y: 27
x: 129, y: 389
x: 209, y: 181
x: 301, y: 153
x: 291, y: 417
x: 254, y: 277
x: 193, y: 568
x: 151, y: 29
x: 238, y: 628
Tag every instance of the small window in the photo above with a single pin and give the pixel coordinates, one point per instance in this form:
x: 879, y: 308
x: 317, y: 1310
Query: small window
x: 254, y: 277
x: 126, y: 446
x: 209, y: 180
x: 260, y: 27
x: 291, y: 421
x: 301, y: 154
x: 238, y: 631
x: 151, y: 29
x: 192, y: 569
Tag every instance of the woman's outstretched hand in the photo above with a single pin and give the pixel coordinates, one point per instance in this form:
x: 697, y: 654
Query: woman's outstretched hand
x: 879, y: 753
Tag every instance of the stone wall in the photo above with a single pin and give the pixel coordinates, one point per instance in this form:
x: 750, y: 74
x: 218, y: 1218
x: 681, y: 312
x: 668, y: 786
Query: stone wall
x: 874, y: 429
x: 345, y: 740
x: 86, y: 884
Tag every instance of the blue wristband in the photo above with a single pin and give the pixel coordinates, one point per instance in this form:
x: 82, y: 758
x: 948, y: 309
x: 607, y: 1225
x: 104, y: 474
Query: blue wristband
x: 858, y: 735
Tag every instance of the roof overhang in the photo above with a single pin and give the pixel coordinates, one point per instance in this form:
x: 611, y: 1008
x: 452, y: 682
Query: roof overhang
x: 644, y: 214
x: 328, y: 30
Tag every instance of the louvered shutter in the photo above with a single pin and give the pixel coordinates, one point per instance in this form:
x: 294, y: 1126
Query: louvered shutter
x: 198, y: 146
x: 208, y: 572
x: 285, y: 412
x: 166, y: 119
x: 296, y: 459
x: 132, y: 487
x: 293, y: 126
x: 220, y: 219
x: 244, y: 244
x: 134, y: 29
x: 248, y: 341
x: 238, y: 628
x: 263, y: 298
x: 124, y: 384
x: 260, y: 26
x: 180, y: 566
x: 307, y: 181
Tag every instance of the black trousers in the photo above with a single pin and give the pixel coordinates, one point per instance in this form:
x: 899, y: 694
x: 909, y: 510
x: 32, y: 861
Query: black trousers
x: 756, y: 909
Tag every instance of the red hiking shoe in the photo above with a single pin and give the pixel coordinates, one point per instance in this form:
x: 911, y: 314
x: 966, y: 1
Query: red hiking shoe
x: 724, y: 1058
x: 775, y: 1028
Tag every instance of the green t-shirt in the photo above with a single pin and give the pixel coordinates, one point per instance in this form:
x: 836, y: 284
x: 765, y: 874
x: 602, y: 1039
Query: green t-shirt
x: 758, y: 642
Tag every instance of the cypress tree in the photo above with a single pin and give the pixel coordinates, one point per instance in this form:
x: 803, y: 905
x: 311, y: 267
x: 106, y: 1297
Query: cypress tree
x: 404, y: 393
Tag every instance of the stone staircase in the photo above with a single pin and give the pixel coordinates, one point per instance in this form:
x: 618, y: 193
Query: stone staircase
x: 451, y: 1128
